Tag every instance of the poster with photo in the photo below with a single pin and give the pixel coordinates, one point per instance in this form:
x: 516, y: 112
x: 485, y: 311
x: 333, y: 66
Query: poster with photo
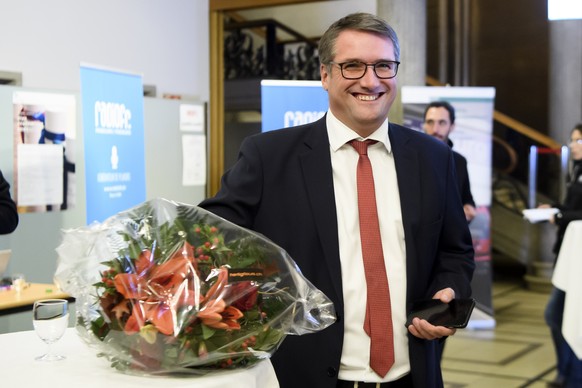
x: 472, y: 138
x: 44, y: 151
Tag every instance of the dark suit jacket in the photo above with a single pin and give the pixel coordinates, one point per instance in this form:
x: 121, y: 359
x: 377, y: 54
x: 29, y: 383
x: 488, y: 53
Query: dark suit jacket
x: 282, y: 187
x: 462, y: 177
x: 8, y: 213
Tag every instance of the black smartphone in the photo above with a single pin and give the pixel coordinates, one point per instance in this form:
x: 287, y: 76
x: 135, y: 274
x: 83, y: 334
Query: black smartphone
x: 454, y: 314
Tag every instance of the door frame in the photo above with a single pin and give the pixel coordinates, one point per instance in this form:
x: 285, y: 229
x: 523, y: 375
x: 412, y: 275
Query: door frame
x: 217, y: 10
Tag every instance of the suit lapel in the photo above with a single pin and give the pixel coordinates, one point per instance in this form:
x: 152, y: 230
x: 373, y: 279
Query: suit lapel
x: 409, y: 185
x: 317, y: 174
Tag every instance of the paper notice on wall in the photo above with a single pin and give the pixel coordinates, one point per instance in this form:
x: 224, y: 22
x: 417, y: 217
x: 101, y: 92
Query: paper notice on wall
x: 194, y: 160
x: 40, y: 174
x: 192, y: 118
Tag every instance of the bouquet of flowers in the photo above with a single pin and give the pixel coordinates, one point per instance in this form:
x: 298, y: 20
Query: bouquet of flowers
x: 171, y: 288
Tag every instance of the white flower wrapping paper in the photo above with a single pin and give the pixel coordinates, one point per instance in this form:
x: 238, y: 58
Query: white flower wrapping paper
x: 167, y: 287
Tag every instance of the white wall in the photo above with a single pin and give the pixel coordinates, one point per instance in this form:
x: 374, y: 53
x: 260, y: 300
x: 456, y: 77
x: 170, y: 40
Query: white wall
x: 164, y: 40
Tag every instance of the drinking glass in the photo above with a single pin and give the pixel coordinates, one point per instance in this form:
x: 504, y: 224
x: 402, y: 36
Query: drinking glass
x: 18, y: 282
x: 50, y: 320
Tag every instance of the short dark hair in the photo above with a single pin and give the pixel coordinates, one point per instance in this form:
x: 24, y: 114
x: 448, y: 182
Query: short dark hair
x: 356, y: 21
x: 442, y: 104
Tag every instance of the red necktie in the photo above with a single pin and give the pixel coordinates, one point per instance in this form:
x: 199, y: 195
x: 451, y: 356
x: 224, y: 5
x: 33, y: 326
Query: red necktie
x: 378, y: 321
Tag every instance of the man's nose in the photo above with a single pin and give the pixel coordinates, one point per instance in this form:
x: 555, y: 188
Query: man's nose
x: 430, y: 129
x: 370, y: 76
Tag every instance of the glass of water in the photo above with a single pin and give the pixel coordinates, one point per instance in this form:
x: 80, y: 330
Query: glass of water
x: 50, y: 320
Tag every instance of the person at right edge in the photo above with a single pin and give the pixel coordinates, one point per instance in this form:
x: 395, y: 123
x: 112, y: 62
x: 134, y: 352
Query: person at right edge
x: 8, y: 213
x: 439, y: 122
x: 569, y: 367
x: 299, y: 187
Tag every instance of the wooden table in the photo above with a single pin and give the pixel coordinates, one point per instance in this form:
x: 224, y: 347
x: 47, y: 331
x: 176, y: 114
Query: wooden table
x: 12, y: 301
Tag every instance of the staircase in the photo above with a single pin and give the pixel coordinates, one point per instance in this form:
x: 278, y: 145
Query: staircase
x: 514, y: 238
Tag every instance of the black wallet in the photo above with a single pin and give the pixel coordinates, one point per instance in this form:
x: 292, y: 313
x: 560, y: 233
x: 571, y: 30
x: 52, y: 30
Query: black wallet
x: 454, y: 314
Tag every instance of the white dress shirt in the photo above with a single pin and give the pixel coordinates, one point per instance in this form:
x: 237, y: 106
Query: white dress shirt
x: 355, y: 360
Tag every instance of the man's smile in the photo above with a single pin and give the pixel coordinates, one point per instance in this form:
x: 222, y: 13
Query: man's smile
x: 367, y: 97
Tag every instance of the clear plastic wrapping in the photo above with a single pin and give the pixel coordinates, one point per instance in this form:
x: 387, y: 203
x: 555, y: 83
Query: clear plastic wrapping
x: 167, y: 287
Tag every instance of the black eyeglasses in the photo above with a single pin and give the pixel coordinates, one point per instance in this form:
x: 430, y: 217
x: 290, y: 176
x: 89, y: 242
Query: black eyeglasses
x: 356, y: 69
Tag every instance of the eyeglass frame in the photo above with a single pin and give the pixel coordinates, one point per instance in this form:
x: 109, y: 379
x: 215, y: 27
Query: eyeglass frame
x: 577, y: 141
x: 373, y: 65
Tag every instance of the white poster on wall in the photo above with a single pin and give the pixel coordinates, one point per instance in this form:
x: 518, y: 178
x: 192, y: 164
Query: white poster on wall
x: 192, y: 118
x: 44, y: 158
x: 472, y: 138
x: 193, y: 160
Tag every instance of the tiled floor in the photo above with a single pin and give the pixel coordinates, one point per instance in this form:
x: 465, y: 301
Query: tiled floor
x: 518, y: 352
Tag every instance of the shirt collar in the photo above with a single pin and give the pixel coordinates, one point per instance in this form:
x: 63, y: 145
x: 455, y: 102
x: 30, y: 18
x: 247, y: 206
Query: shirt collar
x: 339, y: 133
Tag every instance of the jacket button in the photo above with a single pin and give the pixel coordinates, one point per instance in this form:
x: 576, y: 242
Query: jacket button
x: 331, y: 371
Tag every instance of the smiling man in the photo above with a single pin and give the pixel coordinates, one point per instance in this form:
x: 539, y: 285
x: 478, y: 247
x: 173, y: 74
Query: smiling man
x: 368, y: 210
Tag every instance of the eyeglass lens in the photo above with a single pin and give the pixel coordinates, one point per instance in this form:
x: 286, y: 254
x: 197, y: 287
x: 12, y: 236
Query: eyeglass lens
x: 355, y: 70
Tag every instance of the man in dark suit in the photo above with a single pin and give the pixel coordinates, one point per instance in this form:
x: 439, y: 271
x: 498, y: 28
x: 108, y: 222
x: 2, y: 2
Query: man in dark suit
x: 439, y: 122
x: 8, y: 213
x: 297, y: 186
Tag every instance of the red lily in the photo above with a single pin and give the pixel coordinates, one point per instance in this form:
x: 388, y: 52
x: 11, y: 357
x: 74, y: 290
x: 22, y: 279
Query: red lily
x: 155, y: 292
x: 215, y: 313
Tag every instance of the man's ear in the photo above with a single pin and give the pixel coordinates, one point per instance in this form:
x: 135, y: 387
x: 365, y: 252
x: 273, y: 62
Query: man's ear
x: 324, y: 76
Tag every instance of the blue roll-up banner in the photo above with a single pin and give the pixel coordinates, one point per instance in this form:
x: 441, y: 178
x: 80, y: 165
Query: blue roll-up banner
x: 472, y: 138
x: 290, y: 103
x: 113, y: 129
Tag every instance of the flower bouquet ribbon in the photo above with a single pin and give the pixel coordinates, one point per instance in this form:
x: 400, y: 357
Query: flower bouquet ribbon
x: 167, y: 288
